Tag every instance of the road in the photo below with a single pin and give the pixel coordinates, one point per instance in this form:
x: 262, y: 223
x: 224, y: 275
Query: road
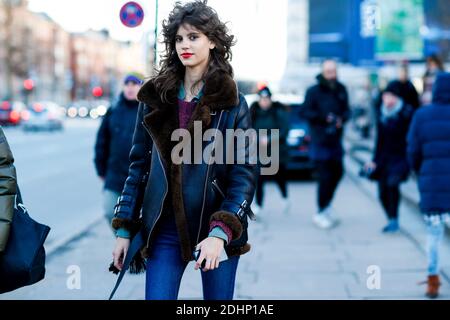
x: 57, y: 178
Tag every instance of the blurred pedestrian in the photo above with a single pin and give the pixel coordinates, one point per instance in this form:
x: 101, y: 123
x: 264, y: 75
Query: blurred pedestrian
x: 390, y: 166
x: 114, y: 141
x: 433, y: 66
x: 326, y: 109
x: 429, y: 156
x: 8, y: 189
x: 268, y: 114
x: 407, y: 89
x: 188, y: 206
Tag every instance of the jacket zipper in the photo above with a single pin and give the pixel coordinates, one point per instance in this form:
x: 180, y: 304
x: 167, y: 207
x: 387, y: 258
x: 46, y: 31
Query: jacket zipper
x: 215, y: 184
x: 206, y: 180
x: 242, y: 207
x: 165, y: 192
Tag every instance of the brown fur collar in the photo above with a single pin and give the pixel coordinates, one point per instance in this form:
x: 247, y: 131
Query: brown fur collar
x: 219, y: 93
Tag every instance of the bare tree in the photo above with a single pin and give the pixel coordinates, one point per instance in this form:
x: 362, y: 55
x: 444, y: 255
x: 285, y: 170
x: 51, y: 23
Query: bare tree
x: 11, y: 66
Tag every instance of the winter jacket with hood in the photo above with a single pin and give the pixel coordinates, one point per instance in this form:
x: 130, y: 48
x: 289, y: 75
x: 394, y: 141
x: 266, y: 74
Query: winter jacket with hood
x: 429, y: 148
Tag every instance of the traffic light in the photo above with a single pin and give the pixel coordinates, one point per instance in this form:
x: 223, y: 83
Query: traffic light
x: 28, y: 84
x: 97, y: 92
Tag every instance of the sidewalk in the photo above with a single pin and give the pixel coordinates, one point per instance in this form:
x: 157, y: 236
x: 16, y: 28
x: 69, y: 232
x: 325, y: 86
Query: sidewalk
x: 290, y: 259
x: 294, y: 260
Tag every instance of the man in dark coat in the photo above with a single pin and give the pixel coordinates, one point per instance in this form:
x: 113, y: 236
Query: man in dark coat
x: 326, y: 109
x: 114, y: 141
x: 407, y: 90
x: 267, y: 115
x: 429, y: 156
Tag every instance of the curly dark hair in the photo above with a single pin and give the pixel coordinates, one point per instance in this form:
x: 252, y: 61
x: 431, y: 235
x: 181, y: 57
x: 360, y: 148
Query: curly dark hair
x: 206, y: 20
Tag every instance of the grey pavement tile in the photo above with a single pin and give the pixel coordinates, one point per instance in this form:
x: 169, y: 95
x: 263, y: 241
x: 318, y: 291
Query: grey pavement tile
x: 298, y: 286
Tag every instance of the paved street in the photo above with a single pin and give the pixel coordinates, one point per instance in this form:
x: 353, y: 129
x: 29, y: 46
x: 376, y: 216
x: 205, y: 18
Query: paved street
x: 290, y: 259
x: 57, y: 177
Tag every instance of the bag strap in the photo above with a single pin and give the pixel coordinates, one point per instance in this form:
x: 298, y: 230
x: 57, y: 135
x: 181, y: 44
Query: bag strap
x: 18, y: 197
x: 135, y: 245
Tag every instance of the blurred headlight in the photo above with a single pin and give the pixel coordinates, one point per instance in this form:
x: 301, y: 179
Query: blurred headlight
x: 72, y: 112
x: 294, y: 136
x: 93, y: 114
x: 296, y: 133
x: 83, y: 112
x: 101, y: 110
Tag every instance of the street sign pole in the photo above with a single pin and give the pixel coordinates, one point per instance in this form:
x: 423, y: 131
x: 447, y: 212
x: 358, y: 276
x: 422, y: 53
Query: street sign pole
x: 155, y: 55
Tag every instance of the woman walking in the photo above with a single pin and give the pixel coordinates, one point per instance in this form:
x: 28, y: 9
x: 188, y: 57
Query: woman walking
x: 189, y: 205
x: 390, y: 166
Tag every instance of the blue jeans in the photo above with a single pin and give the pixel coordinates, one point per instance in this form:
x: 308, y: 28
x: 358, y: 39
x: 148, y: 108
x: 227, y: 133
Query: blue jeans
x: 435, y: 232
x: 165, y: 269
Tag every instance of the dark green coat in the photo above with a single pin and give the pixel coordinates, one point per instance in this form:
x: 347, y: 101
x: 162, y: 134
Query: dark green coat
x: 8, y: 188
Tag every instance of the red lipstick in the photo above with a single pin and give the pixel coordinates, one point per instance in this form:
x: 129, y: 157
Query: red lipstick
x: 186, y: 55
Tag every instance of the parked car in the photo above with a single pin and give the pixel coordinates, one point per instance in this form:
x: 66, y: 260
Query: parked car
x: 299, y: 138
x: 11, y: 112
x: 44, y: 116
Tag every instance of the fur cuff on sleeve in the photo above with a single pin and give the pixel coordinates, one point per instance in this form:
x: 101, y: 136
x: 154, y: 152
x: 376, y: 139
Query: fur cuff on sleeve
x: 231, y: 220
x: 238, y: 251
x: 131, y: 225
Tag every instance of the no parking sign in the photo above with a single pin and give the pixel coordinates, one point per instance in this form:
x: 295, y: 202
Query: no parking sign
x: 131, y: 14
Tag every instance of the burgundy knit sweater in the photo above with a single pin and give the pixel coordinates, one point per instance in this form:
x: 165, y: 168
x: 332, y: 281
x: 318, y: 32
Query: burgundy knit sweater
x: 185, y: 111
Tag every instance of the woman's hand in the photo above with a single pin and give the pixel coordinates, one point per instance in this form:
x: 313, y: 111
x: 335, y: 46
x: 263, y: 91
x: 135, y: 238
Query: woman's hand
x: 211, y: 248
x: 120, y: 252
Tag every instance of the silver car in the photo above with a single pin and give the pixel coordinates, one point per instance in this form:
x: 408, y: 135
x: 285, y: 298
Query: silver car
x: 46, y: 116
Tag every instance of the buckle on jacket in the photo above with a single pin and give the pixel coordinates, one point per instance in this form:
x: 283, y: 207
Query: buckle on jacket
x: 244, y: 209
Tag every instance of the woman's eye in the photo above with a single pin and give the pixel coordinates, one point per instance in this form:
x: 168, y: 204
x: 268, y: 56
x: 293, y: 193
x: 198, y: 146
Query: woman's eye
x: 192, y: 38
x: 178, y: 39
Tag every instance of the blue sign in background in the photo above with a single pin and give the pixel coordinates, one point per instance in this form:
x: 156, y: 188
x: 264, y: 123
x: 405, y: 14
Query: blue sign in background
x: 337, y: 29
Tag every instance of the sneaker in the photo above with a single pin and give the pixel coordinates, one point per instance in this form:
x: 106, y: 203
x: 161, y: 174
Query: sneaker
x: 322, y: 221
x: 331, y: 214
x: 392, y: 226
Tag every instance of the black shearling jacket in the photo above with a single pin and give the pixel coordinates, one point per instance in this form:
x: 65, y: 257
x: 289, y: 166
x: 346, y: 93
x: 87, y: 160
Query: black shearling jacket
x: 198, y: 193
